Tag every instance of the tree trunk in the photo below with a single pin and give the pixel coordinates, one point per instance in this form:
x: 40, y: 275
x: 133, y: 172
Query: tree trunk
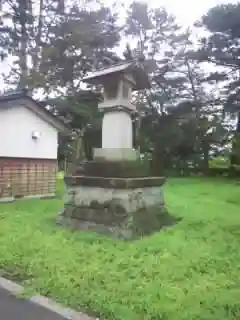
x: 37, y: 52
x: 23, y: 47
x: 235, y: 156
x: 205, y: 157
x: 23, y: 61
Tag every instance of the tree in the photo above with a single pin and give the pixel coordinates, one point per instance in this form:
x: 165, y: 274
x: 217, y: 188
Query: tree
x: 78, y: 42
x: 154, y: 33
x: 222, y: 49
x: 22, y: 29
x: 178, y: 96
x: 54, y: 46
x: 81, y: 114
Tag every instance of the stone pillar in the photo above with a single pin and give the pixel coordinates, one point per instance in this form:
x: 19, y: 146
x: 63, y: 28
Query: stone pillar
x: 117, y: 135
x: 117, y: 130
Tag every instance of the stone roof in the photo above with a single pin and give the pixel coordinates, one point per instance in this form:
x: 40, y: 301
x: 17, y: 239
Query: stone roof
x: 137, y: 70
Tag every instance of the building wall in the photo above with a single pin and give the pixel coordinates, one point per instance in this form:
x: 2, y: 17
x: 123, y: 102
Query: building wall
x: 16, y: 127
x: 21, y: 177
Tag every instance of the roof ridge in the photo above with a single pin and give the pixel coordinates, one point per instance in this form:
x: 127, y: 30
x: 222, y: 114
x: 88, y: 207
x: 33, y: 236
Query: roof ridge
x: 112, y: 65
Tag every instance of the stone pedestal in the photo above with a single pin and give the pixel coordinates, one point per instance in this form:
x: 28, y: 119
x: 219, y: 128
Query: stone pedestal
x: 125, y: 208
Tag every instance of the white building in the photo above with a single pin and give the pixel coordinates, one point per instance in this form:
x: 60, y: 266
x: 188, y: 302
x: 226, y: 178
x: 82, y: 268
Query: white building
x: 28, y: 147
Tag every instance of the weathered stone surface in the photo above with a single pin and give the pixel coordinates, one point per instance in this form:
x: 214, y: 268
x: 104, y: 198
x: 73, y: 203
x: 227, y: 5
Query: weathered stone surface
x: 107, y: 214
x: 139, y: 224
x: 117, y: 169
x: 122, y: 207
x: 115, y: 154
x: 130, y: 200
x: 116, y: 183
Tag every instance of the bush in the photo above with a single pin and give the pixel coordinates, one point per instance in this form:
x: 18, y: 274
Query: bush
x: 219, y: 162
x: 60, y: 175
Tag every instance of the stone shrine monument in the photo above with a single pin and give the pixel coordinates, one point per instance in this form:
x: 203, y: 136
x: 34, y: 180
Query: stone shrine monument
x: 117, y: 132
x: 115, y: 193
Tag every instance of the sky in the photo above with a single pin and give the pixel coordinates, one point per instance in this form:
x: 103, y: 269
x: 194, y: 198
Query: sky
x: 185, y: 11
x: 188, y: 11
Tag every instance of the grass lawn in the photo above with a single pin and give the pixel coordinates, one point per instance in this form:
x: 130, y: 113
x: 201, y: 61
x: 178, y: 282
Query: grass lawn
x: 190, y: 271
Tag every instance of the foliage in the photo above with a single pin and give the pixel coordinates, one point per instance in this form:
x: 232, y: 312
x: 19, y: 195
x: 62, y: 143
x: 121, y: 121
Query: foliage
x: 195, y: 263
x: 55, y: 45
x: 80, y: 112
x: 60, y: 175
x: 219, y: 162
x: 180, y: 118
x: 221, y: 48
x: 82, y: 40
x: 236, y: 150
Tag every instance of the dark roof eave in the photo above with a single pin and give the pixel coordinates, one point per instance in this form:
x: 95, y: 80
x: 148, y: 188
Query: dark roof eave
x: 139, y: 74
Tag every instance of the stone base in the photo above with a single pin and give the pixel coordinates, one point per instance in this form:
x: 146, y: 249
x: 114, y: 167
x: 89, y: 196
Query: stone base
x: 128, y: 231
x: 125, y: 208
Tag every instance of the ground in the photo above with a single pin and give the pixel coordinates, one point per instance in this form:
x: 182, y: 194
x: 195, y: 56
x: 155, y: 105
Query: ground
x: 190, y: 271
x: 13, y: 308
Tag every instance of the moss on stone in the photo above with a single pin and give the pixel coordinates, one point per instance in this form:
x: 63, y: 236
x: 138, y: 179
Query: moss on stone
x: 117, y: 169
x: 141, y: 223
x: 144, y: 222
x: 114, y: 183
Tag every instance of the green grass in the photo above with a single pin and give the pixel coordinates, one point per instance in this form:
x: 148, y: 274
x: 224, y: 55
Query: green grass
x: 190, y: 271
